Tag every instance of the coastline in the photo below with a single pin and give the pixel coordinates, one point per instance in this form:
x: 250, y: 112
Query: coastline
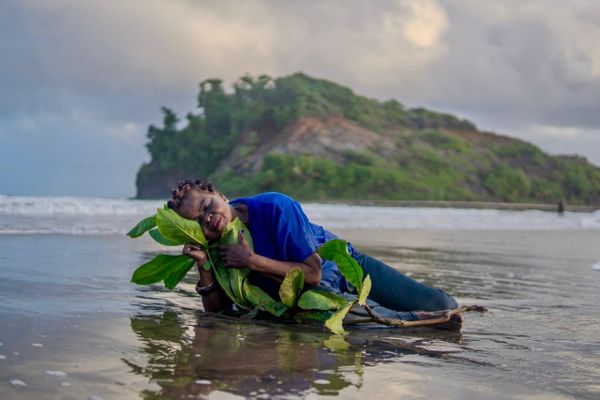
x: 460, y: 204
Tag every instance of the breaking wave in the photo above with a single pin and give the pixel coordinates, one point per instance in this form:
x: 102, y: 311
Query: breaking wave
x: 96, y: 216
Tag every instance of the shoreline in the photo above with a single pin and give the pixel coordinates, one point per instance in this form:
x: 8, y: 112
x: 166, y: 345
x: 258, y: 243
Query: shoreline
x: 460, y: 204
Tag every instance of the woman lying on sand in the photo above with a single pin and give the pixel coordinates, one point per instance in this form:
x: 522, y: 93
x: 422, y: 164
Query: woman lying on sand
x: 284, y: 238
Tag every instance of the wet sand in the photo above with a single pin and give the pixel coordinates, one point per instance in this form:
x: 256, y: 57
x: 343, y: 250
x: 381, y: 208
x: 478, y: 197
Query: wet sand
x: 71, y: 326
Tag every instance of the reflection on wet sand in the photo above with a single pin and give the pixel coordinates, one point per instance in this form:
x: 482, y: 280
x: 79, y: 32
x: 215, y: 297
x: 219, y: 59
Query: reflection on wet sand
x: 199, y: 353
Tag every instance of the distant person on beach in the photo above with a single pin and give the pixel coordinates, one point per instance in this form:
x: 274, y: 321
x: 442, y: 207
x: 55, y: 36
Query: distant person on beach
x: 283, y: 239
x: 560, y: 207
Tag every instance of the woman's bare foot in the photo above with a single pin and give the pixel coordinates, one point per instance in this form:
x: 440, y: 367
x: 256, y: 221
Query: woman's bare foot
x: 454, y: 324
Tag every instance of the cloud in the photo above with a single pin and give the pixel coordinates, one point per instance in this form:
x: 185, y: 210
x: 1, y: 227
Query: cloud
x: 102, y: 47
x: 530, y: 69
x: 425, y: 23
x: 537, y: 57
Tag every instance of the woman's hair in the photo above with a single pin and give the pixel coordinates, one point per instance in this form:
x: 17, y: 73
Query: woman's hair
x: 185, y: 186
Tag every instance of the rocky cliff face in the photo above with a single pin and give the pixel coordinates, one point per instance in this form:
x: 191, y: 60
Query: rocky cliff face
x: 340, y: 139
x: 328, y: 137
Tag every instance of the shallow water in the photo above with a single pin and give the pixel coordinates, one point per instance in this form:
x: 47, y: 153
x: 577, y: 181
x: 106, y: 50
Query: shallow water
x: 71, y: 326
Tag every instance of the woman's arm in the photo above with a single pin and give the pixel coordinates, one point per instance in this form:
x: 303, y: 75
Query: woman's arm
x: 217, y: 300
x: 241, y: 256
x: 275, y: 269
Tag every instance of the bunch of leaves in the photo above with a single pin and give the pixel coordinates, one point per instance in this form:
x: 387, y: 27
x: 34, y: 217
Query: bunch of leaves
x: 168, y: 228
x: 320, y: 304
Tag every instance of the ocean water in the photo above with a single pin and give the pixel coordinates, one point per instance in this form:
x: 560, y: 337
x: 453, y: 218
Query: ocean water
x: 94, y: 216
x: 72, y: 326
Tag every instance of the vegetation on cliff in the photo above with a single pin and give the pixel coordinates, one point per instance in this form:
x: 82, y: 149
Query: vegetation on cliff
x: 317, y: 140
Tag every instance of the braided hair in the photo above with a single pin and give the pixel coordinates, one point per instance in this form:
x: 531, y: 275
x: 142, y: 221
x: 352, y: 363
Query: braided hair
x: 185, y: 186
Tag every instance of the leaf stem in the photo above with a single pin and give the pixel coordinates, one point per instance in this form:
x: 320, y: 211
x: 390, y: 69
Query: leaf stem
x: 425, y: 322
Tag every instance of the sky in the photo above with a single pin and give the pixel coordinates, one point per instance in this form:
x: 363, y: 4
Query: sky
x: 81, y: 81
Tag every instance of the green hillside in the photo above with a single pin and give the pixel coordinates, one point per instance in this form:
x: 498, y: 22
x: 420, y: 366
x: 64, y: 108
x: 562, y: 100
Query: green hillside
x: 250, y: 140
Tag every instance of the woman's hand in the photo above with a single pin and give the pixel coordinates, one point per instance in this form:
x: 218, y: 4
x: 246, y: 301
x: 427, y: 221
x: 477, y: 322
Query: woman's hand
x: 237, y: 255
x: 194, y: 251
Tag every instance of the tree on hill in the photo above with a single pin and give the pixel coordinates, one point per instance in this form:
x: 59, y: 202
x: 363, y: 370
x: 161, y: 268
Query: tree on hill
x: 436, y: 156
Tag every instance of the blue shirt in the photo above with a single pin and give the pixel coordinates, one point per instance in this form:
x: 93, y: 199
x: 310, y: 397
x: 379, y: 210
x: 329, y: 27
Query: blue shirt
x: 281, y: 230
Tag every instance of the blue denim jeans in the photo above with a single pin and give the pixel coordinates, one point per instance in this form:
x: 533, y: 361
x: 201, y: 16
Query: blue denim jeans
x: 395, y: 295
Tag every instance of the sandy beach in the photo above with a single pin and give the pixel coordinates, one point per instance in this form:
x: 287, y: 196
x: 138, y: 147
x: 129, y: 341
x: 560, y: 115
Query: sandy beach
x: 72, y: 326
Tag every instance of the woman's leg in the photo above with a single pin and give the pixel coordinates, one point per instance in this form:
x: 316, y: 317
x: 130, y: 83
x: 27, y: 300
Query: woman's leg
x: 392, y: 289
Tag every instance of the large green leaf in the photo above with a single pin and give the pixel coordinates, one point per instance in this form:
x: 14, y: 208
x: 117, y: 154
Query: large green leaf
x: 320, y: 316
x: 235, y: 279
x: 221, y: 274
x: 231, y: 233
x: 261, y: 299
x: 159, y: 268
x: 364, y: 291
x: 155, y: 234
x: 144, y: 225
x: 178, y: 273
x: 337, y: 251
x: 335, y: 322
x: 208, y: 264
x: 178, y: 229
x: 291, y: 286
x: 319, y: 299
x: 214, y: 256
x: 235, y: 276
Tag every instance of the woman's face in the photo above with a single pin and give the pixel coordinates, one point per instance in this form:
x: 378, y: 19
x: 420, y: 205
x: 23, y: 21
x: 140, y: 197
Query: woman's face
x: 210, y: 210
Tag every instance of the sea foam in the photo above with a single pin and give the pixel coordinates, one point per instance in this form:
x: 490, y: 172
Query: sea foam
x: 21, y: 215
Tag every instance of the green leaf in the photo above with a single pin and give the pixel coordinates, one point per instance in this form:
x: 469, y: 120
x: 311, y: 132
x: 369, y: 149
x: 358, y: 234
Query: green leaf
x: 221, y: 274
x: 259, y: 298
x: 235, y: 276
x: 337, y: 251
x: 335, y: 322
x: 178, y: 229
x: 208, y: 264
x: 214, y: 257
x: 178, y: 273
x: 155, y: 234
x: 364, y: 292
x: 157, y: 269
x: 291, y: 286
x: 231, y: 233
x: 236, y: 279
x: 144, y: 225
x: 320, y: 316
x: 319, y: 299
